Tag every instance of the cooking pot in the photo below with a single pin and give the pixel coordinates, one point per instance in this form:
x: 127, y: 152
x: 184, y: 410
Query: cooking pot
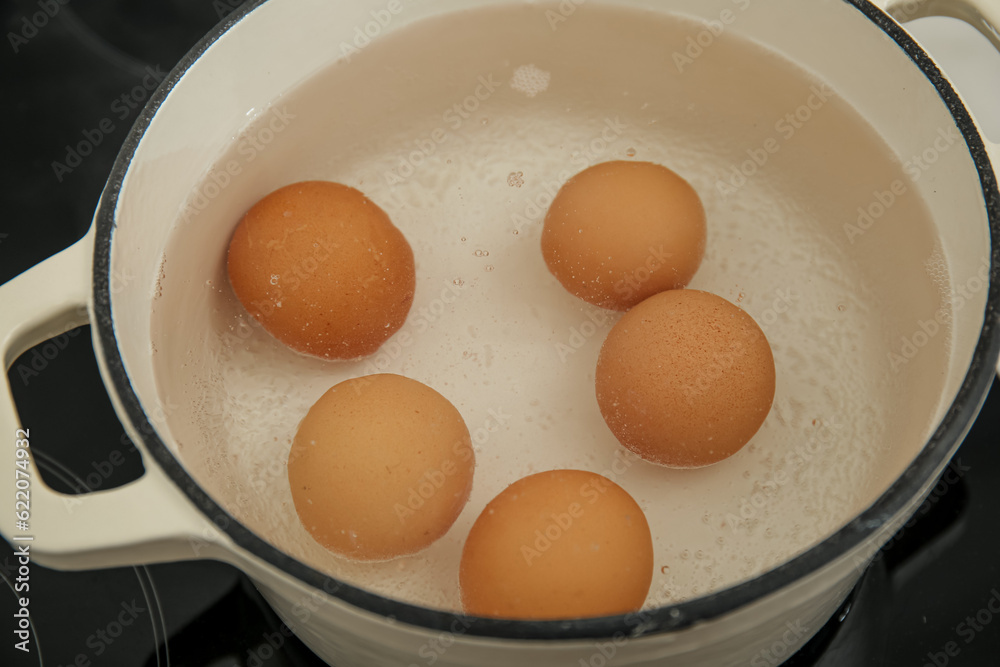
x: 152, y: 235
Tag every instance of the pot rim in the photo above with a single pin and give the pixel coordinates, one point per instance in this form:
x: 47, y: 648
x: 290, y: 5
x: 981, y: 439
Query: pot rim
x: 938, y: 450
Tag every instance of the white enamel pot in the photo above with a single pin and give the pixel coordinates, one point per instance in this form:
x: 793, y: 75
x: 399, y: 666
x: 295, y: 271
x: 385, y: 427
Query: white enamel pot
x: 108, y: 279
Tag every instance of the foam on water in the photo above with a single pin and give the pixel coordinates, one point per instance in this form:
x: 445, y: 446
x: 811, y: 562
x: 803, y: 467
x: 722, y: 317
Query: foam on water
x: 494, y: 332
x: 530, y: 80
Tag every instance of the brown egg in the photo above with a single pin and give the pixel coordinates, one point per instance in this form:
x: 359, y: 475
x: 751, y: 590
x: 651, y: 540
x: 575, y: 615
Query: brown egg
x: 381, y: 466
x: 685, y: 379
x: 323, y: 269
x: 620, y: 232
x: 558, y: 544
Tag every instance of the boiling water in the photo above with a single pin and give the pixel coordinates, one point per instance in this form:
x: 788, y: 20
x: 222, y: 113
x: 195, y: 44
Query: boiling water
x: 462, y: 128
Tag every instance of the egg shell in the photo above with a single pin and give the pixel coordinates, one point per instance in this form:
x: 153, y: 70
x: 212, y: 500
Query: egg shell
x: 685, y: 379
x: 381, y: 466
x: 557, y: 544
x: 323, y: 269
x: 619, y: 232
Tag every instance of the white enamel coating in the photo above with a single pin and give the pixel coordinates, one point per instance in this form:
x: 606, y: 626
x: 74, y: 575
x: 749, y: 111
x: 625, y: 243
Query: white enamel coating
x: 279, y: 45
x: 981, y: 14
x: 105, y: 528
x: 984, y: 15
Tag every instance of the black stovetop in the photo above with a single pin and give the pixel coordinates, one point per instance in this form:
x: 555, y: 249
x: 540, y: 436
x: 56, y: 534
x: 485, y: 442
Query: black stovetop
x: 74, y: 72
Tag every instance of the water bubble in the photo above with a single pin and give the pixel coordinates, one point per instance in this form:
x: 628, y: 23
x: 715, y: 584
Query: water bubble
x: 630, y: 152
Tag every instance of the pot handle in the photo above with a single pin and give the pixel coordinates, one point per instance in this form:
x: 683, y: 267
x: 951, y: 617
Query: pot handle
x: 983, y: 15
x: 144, y: 521
x: 979, y: 14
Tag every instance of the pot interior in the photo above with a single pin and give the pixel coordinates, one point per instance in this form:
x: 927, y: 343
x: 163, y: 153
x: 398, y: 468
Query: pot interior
x: 821, y: 225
